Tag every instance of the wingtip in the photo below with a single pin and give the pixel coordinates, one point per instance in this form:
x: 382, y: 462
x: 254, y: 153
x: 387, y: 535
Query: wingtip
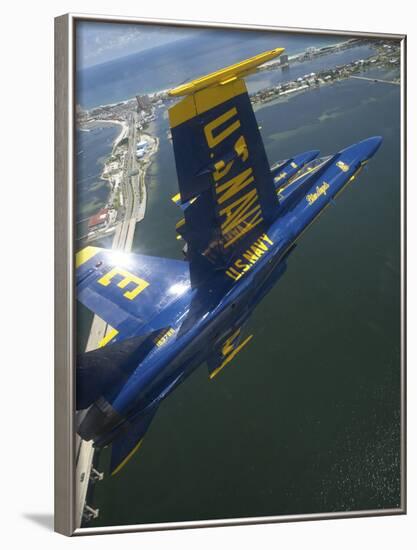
x: 123, y: 463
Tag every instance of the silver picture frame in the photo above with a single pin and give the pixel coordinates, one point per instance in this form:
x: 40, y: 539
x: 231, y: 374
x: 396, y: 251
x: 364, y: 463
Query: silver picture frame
x: 67, y: 509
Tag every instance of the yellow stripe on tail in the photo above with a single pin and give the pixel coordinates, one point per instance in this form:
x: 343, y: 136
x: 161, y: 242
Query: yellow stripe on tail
x: 85, y: 254
x: 226, y: 75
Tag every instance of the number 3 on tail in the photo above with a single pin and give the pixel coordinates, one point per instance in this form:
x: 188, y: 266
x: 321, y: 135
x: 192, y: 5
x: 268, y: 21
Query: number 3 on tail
x: 127, y: 278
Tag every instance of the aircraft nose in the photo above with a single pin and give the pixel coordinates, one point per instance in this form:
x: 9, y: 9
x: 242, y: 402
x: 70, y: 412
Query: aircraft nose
x: 361, y: 151
x: 313, y: 154
x: 368, y: 147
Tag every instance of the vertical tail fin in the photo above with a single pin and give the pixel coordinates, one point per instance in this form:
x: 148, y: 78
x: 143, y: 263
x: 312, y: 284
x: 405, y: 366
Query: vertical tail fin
x: 223, y: 171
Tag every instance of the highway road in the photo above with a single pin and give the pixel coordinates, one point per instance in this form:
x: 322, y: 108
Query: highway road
x: 134, y: 201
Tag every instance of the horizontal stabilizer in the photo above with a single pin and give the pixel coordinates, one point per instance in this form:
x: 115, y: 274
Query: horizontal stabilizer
x: 128, y: 291
x: 130, y: 439
x: 176, y: 199
x: 105, y: 367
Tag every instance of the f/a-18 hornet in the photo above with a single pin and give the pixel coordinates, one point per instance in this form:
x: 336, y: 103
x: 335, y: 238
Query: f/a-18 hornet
x: 241, y: 221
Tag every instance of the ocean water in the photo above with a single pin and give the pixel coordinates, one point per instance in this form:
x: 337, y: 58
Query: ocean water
x: 307, y: 418
x: 92, y: 148
x: 170, y: 65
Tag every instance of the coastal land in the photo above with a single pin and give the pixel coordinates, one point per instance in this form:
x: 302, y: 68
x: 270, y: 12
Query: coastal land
x: 125, y: 173
x: 125, y: 170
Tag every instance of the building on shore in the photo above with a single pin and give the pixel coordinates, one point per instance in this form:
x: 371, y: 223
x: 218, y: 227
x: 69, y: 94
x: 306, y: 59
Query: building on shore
x: 144, y: 103
x: 99, y: 220
x: 141, y: 148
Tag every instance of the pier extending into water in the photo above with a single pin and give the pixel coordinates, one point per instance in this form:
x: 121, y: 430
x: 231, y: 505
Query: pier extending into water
x: 396, y: 82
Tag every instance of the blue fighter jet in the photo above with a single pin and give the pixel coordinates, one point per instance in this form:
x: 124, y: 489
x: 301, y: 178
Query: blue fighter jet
x: 241, y: 221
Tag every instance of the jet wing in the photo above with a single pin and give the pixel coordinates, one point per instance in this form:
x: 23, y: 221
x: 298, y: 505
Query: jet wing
x: 226, y: 351
x: 129, y: 440
x: 129, y: 290
x: 176, y: 199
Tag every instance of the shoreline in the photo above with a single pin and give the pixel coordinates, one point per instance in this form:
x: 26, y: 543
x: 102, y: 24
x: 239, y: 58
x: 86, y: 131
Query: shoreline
x: 102, y: 123
x: 273, y: 93
x: 263, y: 67
x: 112, y: 165
x: 115, y: 173
x: 133, y: 190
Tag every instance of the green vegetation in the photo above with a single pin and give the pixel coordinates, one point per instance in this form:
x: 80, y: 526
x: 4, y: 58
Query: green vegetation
x: 116, y: 201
